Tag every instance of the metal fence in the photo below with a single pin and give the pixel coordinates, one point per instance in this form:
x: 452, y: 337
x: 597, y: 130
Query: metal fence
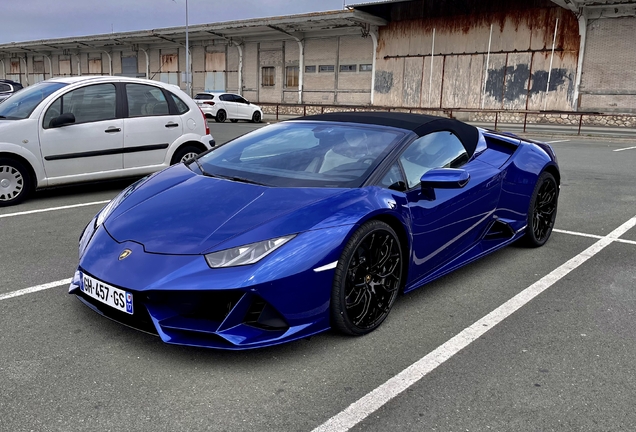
x: 525, y: 120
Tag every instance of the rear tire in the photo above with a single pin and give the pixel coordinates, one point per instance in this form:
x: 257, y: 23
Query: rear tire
x: 221, y: 116
x: 184, y: 153
x: 542, y: 211
x: 15, y: 182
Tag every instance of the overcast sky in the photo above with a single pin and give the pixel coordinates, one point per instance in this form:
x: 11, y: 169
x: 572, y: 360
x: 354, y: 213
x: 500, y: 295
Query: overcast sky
x: 27, y: 20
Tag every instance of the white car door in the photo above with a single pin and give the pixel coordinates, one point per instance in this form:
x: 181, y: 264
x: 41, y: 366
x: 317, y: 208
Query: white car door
x: 243, y: 108
x: 149, y: 128
x: 92, y: 144
x: 229, y: 105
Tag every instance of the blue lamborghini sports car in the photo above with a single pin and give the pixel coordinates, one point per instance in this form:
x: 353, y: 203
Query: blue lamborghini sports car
x: 310, y: 224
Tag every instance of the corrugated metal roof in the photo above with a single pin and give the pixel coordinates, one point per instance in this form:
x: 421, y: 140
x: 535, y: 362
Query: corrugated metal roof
x: 271, y: 28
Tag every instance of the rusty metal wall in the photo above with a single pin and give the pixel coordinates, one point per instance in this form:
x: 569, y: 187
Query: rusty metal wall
x: 452, y: 73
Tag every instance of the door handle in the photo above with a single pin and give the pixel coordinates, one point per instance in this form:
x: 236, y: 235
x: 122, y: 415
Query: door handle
x: 171, y: 125
x: 112, y: 129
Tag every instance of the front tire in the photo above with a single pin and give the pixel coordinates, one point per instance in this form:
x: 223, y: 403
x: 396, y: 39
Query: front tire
x: 15, y: 182
x: 542, y: 211
x: 256, y: 117
x: 221, y: 116
x: 367, y: 279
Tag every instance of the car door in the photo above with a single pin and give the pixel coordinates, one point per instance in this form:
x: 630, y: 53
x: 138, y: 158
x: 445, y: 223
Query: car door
x: 243, y: 108
x: 150, y: 126
x: 448, y: 223
x: 229, y: 105
x: 93, y: 143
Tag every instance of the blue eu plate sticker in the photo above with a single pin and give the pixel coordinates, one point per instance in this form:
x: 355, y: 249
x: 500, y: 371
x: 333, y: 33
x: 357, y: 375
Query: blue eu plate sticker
x: 129, y: 304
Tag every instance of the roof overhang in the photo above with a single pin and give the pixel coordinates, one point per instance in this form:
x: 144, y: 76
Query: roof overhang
x: 294, y: 27
x: 600, y: 8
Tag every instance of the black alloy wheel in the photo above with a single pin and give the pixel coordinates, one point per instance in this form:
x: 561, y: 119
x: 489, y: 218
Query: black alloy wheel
x: 256, y: 117
x: 367, y: 280
x: 543, y: 210
x: 221, y: 116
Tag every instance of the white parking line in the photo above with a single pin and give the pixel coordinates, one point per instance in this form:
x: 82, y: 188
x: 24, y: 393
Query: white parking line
x: 558, y: 141
x: 35, y: 289
x: 580, y: 234
x: 626, y: 148
x: 52, y: 209
x: 365, y: 406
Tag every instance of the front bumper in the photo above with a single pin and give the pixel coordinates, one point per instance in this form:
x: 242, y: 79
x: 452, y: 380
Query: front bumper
x: 183, y: 301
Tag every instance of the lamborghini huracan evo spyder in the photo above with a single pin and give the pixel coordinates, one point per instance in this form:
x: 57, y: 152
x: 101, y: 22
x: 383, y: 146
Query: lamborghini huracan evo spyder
x: 310, y: 224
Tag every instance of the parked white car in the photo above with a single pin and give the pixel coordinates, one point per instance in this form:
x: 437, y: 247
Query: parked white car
x: 76, y: 129
x: 222, y: 106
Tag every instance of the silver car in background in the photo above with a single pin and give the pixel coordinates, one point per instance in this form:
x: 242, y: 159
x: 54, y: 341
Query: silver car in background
x: 75, y: 129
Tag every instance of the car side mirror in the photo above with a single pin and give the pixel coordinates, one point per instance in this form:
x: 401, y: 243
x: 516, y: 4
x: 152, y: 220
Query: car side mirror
x: 247, y: 102
x: 62, y: 120
x: 443, y: 178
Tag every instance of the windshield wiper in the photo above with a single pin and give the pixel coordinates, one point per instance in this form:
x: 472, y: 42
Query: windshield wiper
x: 237, y: 179
x: 196, y: 160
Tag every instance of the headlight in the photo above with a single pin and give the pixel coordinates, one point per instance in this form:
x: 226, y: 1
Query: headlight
x: 244, y: 255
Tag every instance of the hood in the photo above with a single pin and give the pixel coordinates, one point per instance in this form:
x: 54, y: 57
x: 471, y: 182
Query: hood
x: 180, y: 212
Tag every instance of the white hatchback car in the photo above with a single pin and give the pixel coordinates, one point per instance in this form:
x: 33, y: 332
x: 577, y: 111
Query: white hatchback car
x: 222, y: 106
x: 76, y: 129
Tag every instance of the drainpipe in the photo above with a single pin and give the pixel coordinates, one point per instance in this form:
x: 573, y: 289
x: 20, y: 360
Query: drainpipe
x: 110, y: 63
x: 301, y: 69
x: 50, y: 67
x: 79, y: 63
x: 430, y: 80
x: 374, y: 37
x: 4, y: 70
x: 483, y: 95
x: 26, y: 69
x: 240, y: 67
x: 579, y: 68
x: 147, y: 63
x: 547, y: 87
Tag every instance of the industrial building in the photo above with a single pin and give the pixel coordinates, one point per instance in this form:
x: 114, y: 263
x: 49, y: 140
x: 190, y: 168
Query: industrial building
x: 535, y: 55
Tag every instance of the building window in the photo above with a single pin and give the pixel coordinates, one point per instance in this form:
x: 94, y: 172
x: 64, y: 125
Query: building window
x: 325, y: 68
x: 310, y: 69
x: 366, y: 68
x: 348, y: 68
x: 268, y: 75
x: 291, y: 79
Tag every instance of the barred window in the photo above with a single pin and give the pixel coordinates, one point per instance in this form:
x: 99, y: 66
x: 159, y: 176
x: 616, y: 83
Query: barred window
x: 291, y: 79
x: 326, y: 68
x: 366, y: 68
x: 268, y: 76
x: 310, y: 69
x: 348, y: 68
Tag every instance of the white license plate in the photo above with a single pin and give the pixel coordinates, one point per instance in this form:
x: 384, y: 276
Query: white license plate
x: 100, y: 291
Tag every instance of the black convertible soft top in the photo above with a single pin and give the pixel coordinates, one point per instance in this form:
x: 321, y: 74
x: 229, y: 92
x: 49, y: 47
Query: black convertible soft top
x: 420, y: 124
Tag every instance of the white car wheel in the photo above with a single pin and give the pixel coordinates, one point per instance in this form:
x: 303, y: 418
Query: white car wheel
x: 14, y: 182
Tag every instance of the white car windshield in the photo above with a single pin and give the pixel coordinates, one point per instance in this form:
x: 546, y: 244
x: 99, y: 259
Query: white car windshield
x: 21, y: 105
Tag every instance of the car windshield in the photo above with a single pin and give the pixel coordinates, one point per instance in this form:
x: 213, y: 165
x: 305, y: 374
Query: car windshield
x: 21, y: 104
x: 303, y: 154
